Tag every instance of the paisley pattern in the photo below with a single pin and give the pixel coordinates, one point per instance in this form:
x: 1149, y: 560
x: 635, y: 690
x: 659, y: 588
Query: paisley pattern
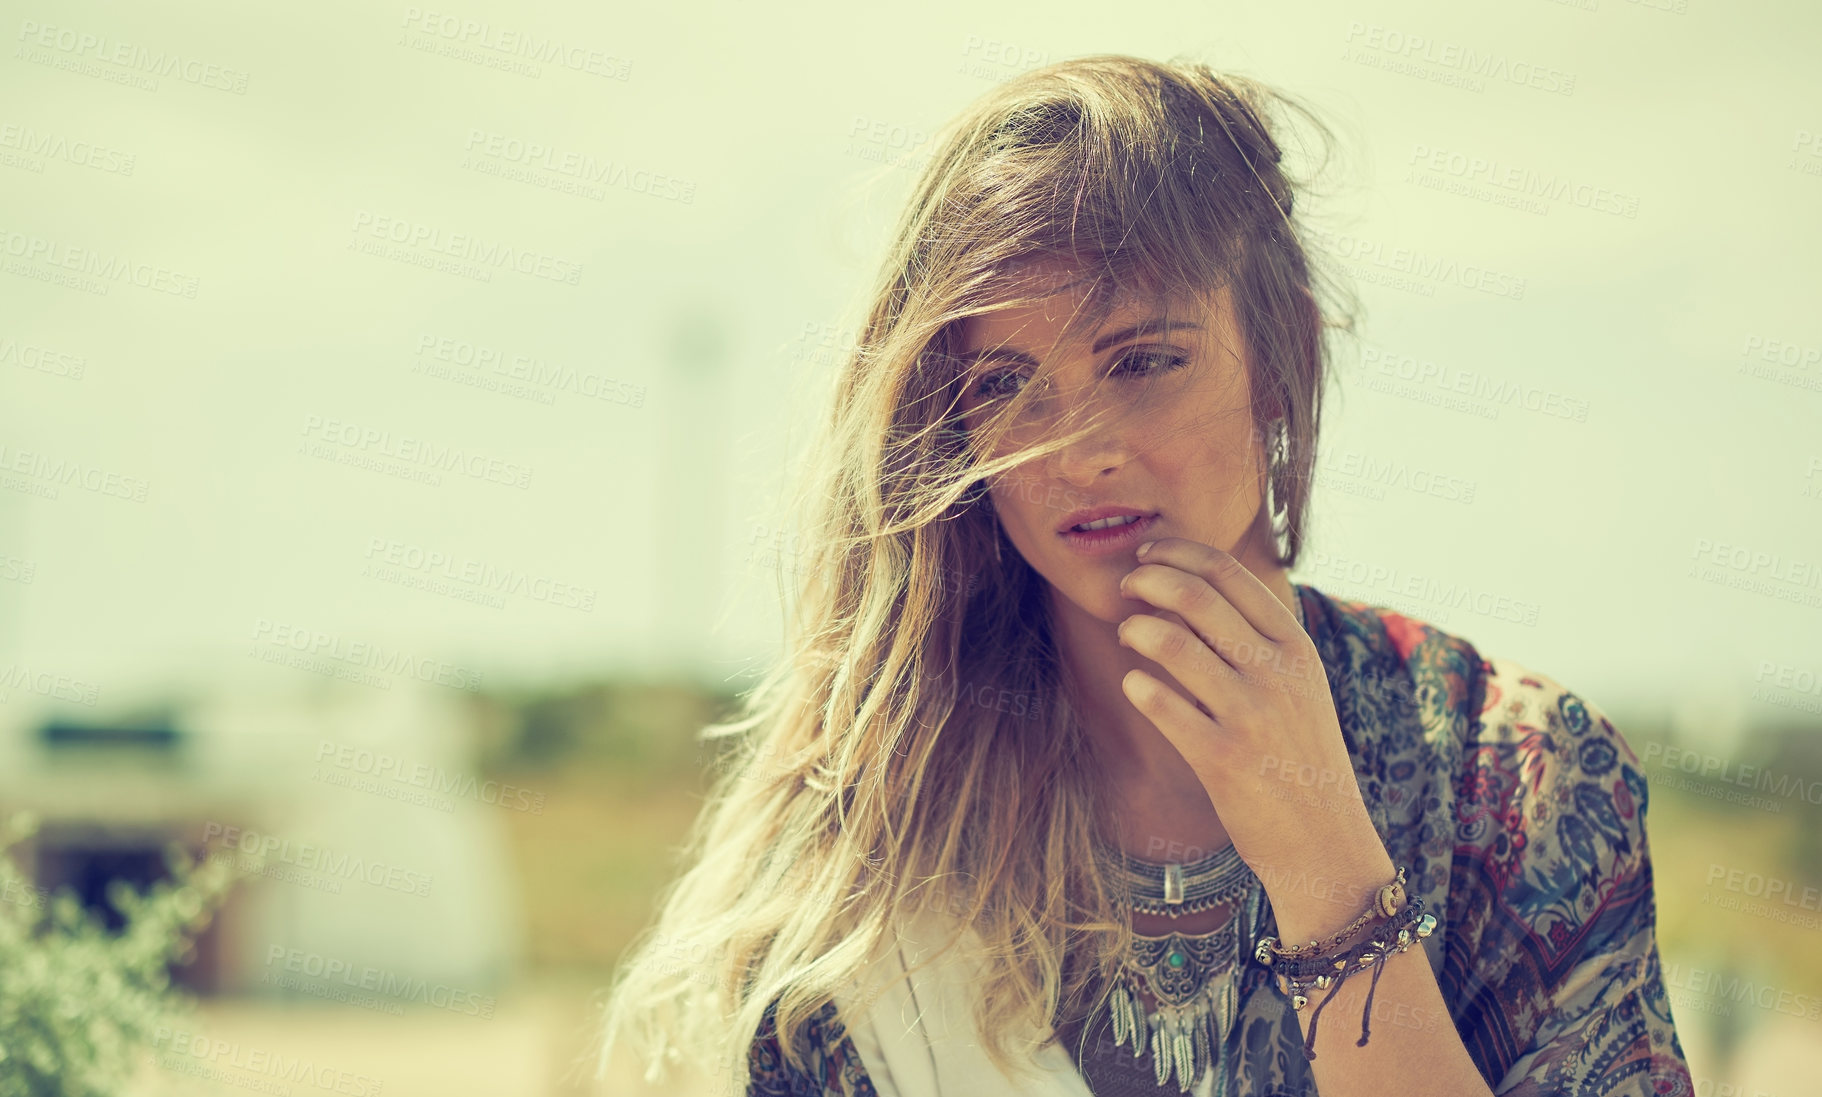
x: 1520, y: 811
x: 835, y: 1067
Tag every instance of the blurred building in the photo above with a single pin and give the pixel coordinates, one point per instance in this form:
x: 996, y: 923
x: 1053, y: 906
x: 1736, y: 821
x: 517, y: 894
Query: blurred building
x: 383, y: 858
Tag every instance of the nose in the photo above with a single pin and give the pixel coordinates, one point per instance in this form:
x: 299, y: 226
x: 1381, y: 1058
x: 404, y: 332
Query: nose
x: 1104, y: 449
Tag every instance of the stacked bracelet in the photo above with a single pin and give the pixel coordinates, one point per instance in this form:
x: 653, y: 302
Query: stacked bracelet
x: 1387, y: 926
x: 1387, y: 902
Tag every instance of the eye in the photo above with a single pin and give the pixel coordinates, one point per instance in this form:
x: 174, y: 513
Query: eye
x: 998, y: 384
x: 994, y: 385
x: 1171, y: 362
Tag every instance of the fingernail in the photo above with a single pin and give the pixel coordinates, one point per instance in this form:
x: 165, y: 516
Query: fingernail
x: 1145, y: 546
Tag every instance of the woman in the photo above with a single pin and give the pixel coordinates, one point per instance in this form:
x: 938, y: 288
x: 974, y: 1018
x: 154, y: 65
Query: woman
x: 1061, y: 769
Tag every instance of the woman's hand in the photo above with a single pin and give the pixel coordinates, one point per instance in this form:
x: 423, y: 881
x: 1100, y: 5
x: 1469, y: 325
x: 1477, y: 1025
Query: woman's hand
x: 1252, y: 714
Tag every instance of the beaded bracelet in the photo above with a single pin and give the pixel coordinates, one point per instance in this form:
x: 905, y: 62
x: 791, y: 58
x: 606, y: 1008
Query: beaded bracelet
x: 1387, y: 902
x: 1303, y: 972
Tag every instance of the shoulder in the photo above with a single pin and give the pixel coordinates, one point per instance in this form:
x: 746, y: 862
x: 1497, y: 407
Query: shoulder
x: 1535, y: 763
x: 1558, y: 741
x: 1520, y: 700
x: 1502, y: 712
x: 832, y: 1066
x: 1551, y: 802
x: 1380, y: 660
x: 1552, y: 897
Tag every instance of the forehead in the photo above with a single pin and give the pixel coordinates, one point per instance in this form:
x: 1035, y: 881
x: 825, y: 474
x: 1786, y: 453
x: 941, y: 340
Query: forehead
x: 1055, y: 307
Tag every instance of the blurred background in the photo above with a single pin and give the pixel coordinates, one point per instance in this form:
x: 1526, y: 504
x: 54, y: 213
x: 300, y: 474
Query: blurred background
x: 394, y: 403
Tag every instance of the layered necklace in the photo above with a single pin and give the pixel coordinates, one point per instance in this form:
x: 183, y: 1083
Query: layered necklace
x: 1191, y: 977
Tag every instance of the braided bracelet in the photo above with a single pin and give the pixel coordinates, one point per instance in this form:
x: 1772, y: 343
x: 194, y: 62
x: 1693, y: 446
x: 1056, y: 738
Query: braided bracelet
x: 1387, y: 902
x: 1299, y: 974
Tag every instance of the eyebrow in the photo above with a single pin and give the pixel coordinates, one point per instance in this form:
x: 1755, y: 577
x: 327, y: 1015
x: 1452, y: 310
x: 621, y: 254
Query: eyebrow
x: 1153, y: 326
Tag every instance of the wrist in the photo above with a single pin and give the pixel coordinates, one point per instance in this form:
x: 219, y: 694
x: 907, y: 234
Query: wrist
x: 1325, y: 893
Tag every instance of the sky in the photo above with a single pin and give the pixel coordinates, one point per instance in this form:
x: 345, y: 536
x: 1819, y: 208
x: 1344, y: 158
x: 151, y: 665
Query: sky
x: 310, y: 316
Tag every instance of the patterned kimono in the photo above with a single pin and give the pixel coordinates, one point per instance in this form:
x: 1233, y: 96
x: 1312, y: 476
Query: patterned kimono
x: 1520, y: 812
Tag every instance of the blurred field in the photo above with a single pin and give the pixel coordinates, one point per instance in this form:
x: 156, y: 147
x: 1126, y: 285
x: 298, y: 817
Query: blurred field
x: 624, y: 778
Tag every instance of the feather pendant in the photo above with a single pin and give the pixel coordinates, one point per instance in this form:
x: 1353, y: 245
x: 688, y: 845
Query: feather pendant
x: 1225, y: 1000
x: 1218, y: 1064
x: 1203, y: 1056
x: 1197, y: 1002
x: 1141, y: 1027
x: 1160, y: 1061
x: 1120, y: 1013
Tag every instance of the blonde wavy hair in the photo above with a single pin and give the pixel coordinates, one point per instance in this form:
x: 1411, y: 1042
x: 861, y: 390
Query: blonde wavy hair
x: 858, y: 792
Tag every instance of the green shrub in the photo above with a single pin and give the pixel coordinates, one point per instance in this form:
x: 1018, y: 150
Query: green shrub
x: 78, y: 1003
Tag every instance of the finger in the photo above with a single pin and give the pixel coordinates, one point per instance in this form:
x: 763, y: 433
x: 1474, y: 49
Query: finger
x: 1193, y: 732
x: 1203, y: 609
x: 1182, y: 654
x: 1243, y: 590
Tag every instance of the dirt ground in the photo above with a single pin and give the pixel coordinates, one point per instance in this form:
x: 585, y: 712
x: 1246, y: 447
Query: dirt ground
x: 532, y: 1046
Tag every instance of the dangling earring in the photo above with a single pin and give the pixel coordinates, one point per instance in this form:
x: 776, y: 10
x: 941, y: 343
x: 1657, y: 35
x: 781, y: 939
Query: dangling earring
x: 1277, y: 464
x: 996, y: 547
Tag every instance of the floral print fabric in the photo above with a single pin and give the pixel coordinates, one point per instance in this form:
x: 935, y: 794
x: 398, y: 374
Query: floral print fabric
x: 1520, y: 812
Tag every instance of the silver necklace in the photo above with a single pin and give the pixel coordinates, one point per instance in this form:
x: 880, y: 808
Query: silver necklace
x: 1191, y: 977
x: 1174, y: 889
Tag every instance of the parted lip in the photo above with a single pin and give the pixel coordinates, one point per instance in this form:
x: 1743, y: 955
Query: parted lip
x: 1095, y: 514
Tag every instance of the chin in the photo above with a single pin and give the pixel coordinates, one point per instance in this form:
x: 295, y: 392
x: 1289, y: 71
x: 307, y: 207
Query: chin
x: 1119, y: 609
x: 1102, y: 602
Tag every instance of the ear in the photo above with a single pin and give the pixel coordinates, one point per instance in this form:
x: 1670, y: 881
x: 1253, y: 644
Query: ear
x: 1269, y: 406
x: 1307, y: 321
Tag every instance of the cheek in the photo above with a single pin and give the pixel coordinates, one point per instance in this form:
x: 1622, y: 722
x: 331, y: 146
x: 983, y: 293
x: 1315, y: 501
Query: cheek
x: 1202, y: 448
x: 1014, y: 499
x: 1030, y: 507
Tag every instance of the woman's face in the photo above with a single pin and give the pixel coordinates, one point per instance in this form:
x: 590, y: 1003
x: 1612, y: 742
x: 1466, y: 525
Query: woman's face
x: 1176, y: 447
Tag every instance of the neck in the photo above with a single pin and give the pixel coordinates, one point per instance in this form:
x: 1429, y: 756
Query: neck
x: 1164, y: 812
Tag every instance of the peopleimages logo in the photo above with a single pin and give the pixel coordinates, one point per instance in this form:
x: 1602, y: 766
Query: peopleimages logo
x: 1421, y: 50
x: 36, y: 145
x: 1472, y: 384
x: 43, y: 359
x: 432, y: 456
x: 83, y: 46
x: 1423, y: 588
x: 549, y: 376
x: 1368, y: 254
x: 1754, y: 778
x: 1770, y: 888
x: 1383, y: 473
x: 466, y: 247
x: 213, y: 1057
x: 283, y: 636
x: 39, y: 254
x: 379, y: 764
x: 538, y: 156
x: 542, y: 49
x: 1757, y: 571
x: 434, y: 563
x: 395, y: 986
x: 61, y: 687
x: 1523, y: 181
x: 1729, y: 987
x: 315, y: 858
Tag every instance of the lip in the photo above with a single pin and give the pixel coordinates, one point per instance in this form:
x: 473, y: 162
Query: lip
x: 1095, y: 514
x: 1113, y: 539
